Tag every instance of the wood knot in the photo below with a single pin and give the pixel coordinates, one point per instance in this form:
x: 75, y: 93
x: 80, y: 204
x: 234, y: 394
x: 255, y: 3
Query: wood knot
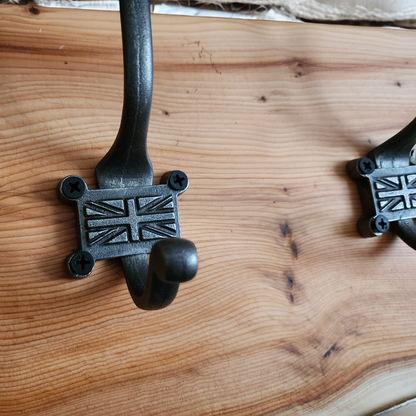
x: 34, y: 10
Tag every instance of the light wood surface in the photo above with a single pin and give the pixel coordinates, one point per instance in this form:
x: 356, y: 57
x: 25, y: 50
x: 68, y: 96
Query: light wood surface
x: 291, y: 313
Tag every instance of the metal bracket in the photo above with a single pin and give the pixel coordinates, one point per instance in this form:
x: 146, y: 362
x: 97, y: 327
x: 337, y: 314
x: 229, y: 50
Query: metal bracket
x: 128, y: 217
x: 386, y: 183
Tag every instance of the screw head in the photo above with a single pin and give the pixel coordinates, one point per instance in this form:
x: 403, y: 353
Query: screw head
x: 380, y: 224
x: 81, y: 264
x: 366, y: 166
x: 73, y: 187
x: 178, y: 180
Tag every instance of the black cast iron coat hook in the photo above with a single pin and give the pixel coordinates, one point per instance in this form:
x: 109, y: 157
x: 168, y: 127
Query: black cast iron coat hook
x: 127, y: 217
x: 386, y: 181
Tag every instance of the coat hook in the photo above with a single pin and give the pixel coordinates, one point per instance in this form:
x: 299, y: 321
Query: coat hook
x: 386, y: 181
x: 127, y: 216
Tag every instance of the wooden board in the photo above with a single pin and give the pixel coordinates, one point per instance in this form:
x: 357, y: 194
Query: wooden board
x: 291, y: 313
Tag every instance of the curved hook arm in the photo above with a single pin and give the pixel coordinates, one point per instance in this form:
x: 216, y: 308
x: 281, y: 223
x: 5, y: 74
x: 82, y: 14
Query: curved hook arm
x: 172, y: 261
x: 406, y: 230
x: 127, y: 163
x: 395, y: 151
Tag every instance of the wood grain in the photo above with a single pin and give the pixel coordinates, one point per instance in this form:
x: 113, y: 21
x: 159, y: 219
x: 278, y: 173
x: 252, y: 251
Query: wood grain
x: 292, y: 313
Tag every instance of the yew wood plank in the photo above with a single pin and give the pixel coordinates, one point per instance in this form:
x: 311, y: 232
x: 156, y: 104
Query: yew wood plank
x: 291, y: 313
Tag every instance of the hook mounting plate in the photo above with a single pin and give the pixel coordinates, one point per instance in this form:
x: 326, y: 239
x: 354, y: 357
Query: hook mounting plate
x: 387, y: 195
x: 121, y: 222
x: 125, y: 221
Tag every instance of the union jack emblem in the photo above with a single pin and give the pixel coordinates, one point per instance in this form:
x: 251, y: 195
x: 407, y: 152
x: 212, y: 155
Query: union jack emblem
x: 135, y: 219
x: 395, y: 193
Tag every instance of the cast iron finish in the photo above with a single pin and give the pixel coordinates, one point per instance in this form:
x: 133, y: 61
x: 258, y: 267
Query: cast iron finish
x: 127, y: 216
x: 387, y: 186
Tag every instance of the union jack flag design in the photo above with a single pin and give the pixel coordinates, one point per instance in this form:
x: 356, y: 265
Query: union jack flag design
x: 395, y: 193
x: 130, y: 220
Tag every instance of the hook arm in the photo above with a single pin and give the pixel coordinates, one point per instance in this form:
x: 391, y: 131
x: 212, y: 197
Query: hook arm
x: 172, y: 261
x: 127, y: 163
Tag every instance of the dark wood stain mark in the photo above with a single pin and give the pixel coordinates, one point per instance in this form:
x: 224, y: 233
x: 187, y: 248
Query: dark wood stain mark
x: 284, y: 189
x: 286, y: 232
x: 289, y: 347
x: 398, y: 84
x: 284, y: 229
x: 202, y: 55
x: 34, y: 10
x: 297, y: 70
x: 165, y: 113
x: 369, y: 140
x: 262, y: 99
x: 355, y: 333
x: 334, y: 348
x: 290, y: 281
x: 196, y: 42
x: 191, y: 371
x: 292, y: 349
x: 295, y: 250
x: 66, y: 63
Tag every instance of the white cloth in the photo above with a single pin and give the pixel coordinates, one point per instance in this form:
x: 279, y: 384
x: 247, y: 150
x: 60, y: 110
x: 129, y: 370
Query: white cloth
x: 370, y: 10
